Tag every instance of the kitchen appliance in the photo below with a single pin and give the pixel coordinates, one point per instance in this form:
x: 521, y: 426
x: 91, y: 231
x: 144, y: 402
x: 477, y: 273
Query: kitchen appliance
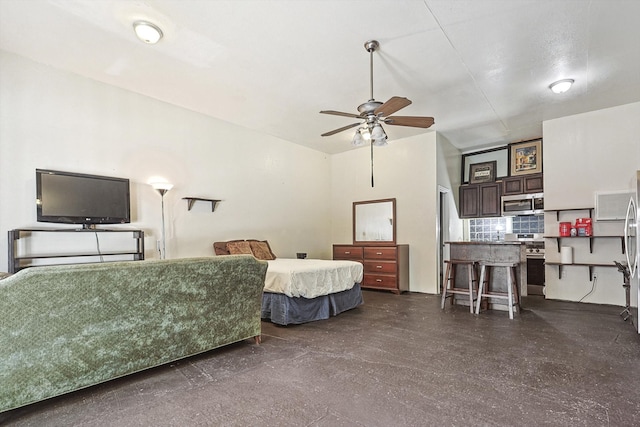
x: 534, y: 250
x: 522, y: 204
x: 631, y: 244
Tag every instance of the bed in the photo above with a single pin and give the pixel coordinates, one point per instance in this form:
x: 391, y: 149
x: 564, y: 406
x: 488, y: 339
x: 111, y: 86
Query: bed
x: 302, y: 290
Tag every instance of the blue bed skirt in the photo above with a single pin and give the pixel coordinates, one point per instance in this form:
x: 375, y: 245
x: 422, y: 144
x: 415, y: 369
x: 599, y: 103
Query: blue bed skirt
x: 284, y: 310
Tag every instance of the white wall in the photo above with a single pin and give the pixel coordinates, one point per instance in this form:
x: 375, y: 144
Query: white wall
x: 585, y: 153
x: 404, y: 170
x: 270, y: 189
x: 449, y: 180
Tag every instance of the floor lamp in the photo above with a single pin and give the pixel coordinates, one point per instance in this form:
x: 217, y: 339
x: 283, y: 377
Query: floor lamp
x: 162, y: 188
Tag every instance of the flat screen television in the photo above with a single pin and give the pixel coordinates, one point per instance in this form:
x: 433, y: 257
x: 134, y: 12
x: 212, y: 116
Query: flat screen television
x: 75, y: 198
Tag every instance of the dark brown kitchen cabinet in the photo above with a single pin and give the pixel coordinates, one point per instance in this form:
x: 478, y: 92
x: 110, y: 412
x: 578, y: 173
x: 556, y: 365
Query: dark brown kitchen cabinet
x: 522, y: 184
x: 480, y: 200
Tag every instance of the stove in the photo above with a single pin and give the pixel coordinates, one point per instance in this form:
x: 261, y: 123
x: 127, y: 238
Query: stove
x: 534, y: 248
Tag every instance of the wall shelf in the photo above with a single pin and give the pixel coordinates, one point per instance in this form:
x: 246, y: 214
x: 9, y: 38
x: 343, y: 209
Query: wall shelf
x: 557, y: 211
x: 192, y: 200
x: 580, y: 264
x: 591, y: 238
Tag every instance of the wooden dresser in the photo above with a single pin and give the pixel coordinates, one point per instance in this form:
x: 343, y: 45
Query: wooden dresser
x: 385, y: 267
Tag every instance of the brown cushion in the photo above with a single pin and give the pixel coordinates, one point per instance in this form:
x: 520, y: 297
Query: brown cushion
x: 263, y: 246
x: 261, y: 250
x: 238, y: 248
x: 220, y: 248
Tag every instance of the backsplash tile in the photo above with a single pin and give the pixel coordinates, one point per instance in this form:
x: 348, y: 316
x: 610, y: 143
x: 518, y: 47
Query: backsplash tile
x: 528, y: 224
x: 487, y: 229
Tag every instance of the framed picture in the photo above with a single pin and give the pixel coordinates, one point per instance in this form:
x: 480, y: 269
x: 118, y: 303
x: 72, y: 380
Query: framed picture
x: 499, y: 154
x: 526, y: 157
x: 482, y: 172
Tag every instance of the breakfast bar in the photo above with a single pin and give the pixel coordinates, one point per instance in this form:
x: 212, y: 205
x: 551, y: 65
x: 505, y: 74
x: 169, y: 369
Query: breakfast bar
x: 495, y: 252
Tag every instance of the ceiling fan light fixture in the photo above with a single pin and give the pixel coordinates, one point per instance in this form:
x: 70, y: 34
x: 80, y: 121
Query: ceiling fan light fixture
x: 561, y: 86
x: 358, y: 140
x: 378, y: 135
x: 147, y: 32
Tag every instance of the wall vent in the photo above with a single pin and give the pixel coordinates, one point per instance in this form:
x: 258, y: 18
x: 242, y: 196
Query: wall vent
x: 612, y: 205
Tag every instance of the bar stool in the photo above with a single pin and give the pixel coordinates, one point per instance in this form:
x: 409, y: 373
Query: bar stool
x: 512, y: 289
x: 449, y: 282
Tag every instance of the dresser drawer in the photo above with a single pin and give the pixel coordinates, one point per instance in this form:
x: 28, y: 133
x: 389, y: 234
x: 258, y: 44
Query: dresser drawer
x: 380, y: 253
x: 380, y: 267
x: 347, y: 252
x: 380, y: 281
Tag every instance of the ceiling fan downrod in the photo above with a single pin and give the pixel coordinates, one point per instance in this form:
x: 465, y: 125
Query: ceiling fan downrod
x: 371, y: 46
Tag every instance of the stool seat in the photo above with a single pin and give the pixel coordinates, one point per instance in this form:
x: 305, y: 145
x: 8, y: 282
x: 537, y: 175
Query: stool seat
x: 512, y: 289
x: 449, y: 286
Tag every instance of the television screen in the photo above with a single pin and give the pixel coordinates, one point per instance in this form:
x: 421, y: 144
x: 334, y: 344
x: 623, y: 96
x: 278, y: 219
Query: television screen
x: 73, y: 198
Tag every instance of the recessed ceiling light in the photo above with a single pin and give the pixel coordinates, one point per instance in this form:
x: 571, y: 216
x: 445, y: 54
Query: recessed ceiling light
x: 561, y: 86
x: 147, y: 32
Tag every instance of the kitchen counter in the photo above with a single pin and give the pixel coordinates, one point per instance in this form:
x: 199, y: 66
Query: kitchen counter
x: 495, y: 251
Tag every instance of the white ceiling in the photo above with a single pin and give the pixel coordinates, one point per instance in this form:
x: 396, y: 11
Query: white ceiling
x: 480, y: 67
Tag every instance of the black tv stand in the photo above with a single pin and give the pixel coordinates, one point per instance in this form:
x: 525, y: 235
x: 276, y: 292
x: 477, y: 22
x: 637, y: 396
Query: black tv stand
x: 19, y: 261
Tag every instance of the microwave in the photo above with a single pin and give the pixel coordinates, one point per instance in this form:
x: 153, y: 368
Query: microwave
x: 522, y: 204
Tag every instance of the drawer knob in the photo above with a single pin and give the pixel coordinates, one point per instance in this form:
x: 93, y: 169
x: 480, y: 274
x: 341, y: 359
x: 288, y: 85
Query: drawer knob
x: 347, y: 252
x: 378, y: 266
x: 378, y: 253
x: 378, y: 280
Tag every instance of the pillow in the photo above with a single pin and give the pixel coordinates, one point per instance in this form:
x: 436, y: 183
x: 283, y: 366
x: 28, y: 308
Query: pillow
x: 261, y: 250
x: 220, y: 248
x: 4, y: 275
x: 238, y: 248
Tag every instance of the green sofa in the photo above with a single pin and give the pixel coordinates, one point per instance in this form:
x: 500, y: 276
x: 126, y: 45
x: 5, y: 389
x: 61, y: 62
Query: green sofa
x: 63, y: 328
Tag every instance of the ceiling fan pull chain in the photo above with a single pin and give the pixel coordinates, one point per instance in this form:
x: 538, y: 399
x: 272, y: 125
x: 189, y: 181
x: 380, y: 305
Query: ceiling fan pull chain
x: 371, y: 163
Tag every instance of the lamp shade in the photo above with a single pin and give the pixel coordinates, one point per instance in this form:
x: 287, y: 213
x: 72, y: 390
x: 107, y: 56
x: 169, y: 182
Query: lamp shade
x: 378, y: 136
x: 161, y: 187
x: 358, y: 140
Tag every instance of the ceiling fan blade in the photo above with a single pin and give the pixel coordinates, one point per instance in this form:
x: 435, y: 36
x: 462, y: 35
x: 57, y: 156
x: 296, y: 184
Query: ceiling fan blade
x: 340, y: 113
x: 416, y: 122
x: 391, y: 106
x: 333, y: 132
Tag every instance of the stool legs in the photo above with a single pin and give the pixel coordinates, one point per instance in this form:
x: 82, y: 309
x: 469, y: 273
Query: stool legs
x: 445, y: 283
x: 511, y: 295
x: 448, y: 282
x: 473, y: 286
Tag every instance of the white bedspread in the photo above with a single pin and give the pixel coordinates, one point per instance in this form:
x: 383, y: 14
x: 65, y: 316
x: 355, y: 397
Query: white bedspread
x: 310, y: 278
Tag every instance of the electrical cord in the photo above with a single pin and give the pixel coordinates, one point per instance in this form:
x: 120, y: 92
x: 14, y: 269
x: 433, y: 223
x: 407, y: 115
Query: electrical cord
x: 98, y: 246
x: 593, y: 286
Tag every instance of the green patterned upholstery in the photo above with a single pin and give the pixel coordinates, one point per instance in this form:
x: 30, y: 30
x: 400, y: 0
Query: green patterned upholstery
x: 63, y: 328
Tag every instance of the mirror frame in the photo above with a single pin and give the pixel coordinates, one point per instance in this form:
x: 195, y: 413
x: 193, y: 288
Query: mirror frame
x: 391, y: 242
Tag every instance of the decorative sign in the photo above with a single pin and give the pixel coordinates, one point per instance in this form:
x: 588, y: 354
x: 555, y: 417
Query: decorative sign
x: 482, y: 172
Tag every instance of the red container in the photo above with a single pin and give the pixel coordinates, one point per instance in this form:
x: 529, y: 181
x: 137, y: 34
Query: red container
x: 584, y: 227
x: 565, y: 229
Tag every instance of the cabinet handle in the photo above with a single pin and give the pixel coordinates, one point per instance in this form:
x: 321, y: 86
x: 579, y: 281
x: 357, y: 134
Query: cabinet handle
x: 347, y: 253
x: 378, y: 266
x: 378, y: 253
x: 378, y: 280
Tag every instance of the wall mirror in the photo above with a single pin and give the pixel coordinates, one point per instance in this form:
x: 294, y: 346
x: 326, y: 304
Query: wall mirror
x: 374, y: 222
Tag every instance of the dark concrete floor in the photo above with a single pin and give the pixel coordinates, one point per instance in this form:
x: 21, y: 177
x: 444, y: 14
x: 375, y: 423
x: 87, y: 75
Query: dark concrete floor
x: 396, y: 361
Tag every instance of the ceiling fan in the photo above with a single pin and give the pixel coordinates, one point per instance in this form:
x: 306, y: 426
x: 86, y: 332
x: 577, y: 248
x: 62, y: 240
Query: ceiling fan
x: 373, y: 113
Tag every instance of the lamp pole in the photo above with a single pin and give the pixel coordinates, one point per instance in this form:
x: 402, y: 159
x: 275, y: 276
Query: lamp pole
x: 163, y: 252
x: 162, y: 188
